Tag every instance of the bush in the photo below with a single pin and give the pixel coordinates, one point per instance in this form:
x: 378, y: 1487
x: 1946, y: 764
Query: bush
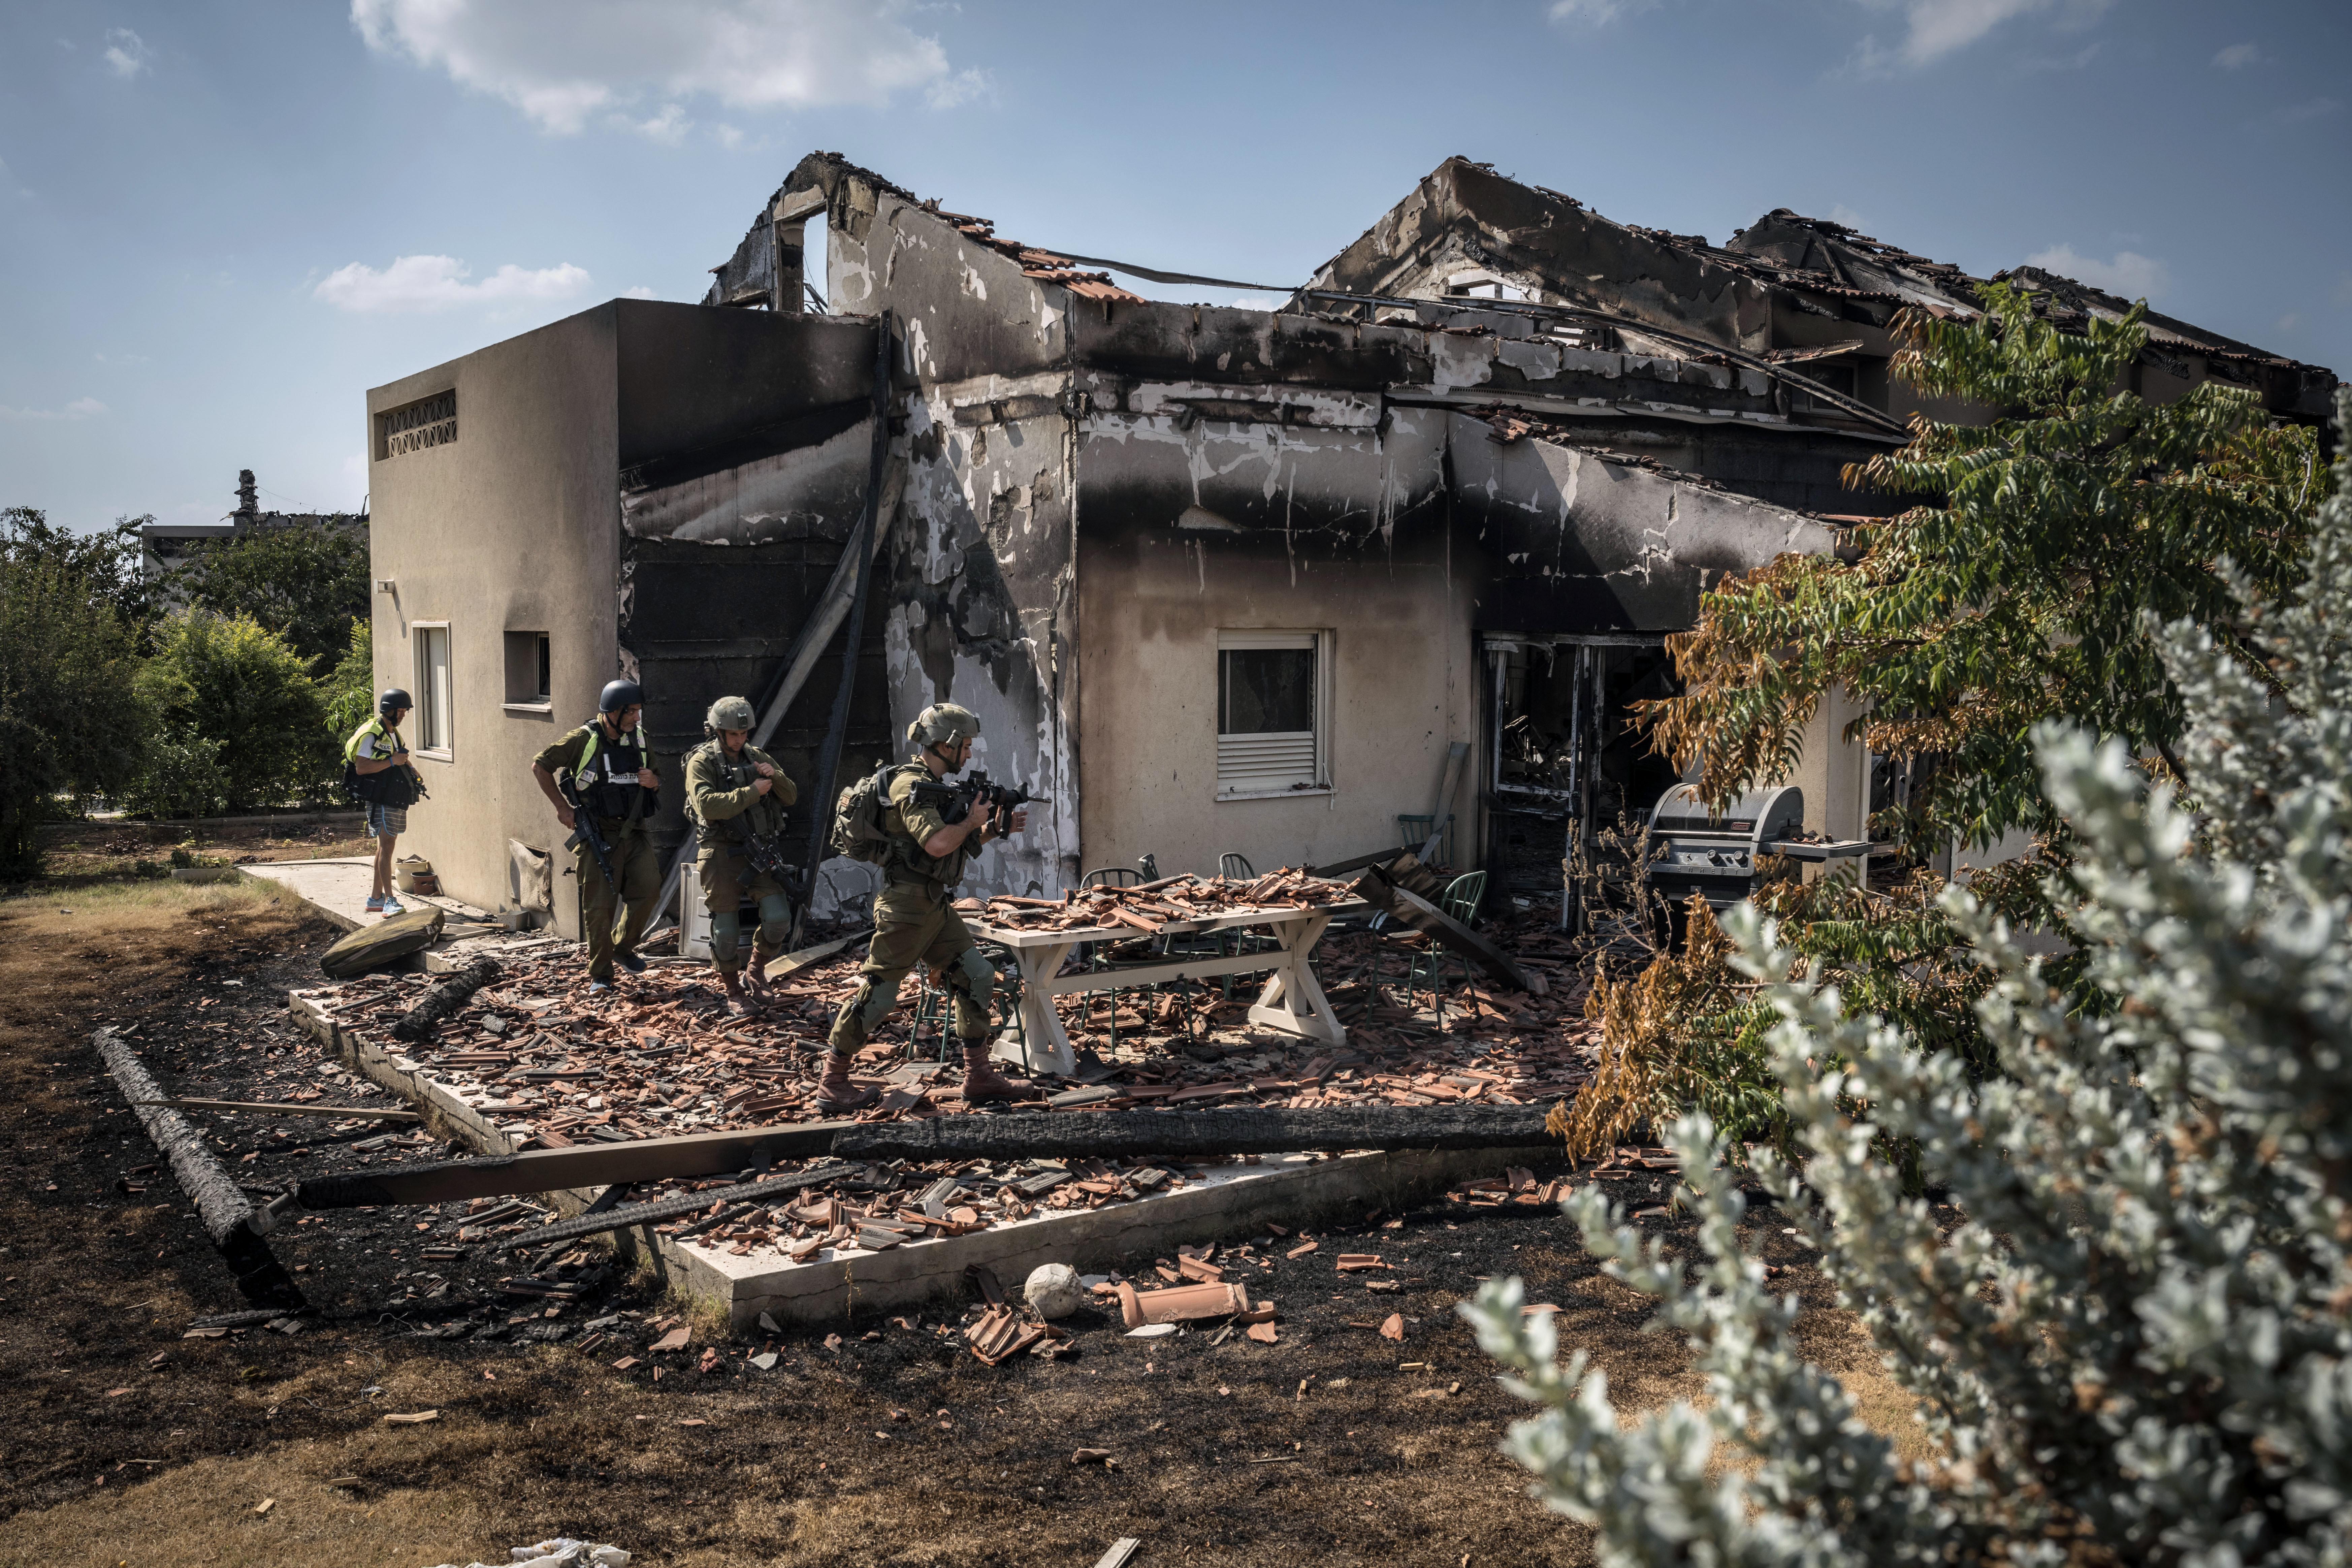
x: 2135, y: 1347
x: 70, y: 721
x: 183, y: 777
x: 237, y: 685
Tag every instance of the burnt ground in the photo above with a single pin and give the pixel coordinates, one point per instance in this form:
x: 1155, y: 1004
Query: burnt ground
x: 126, y: 1442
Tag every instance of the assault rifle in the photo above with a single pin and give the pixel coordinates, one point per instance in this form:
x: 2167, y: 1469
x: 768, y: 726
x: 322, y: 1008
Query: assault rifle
x: 584, y: 831
x: 767, y: 854
x: 957, y: 800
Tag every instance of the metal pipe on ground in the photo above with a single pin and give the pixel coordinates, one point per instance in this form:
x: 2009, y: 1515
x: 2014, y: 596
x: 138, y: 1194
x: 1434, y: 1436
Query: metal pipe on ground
x: 232, y: 1220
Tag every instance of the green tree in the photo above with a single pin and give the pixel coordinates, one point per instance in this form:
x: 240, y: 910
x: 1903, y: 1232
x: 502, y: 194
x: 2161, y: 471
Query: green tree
x: 306, y: 582
x: 230, y: 680
x: 2135, y: 1349
x: 351, y: 688
x: 109, y: 561
x: 2019, y: 591
x: 70, y: 721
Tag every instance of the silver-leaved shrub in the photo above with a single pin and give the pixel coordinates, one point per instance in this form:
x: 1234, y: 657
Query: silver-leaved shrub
x: 2136, y: 1348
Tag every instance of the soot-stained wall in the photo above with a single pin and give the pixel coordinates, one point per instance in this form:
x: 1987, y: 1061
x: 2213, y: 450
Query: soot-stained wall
x: 1582, y: 544
x: 1188, y: 527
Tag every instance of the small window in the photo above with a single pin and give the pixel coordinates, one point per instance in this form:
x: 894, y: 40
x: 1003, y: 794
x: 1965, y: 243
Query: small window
x: 1273, y: 701
x: 433, y: 690
x: 528, y: 669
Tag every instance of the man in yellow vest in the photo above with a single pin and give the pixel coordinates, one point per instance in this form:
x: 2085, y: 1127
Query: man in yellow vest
x: 386, y: 782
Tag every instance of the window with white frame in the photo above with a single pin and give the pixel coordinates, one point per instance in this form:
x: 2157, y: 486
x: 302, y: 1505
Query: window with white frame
x: 1273, y: 702
x: 434, y: 707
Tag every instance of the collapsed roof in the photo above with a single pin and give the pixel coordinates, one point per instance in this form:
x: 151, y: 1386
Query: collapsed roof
x: 1788, y: 287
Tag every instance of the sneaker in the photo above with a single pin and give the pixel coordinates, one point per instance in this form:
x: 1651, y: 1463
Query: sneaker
x: 375, y: 906
x: 598, y: 988
x: 630, y: 962
x: 394, y: 906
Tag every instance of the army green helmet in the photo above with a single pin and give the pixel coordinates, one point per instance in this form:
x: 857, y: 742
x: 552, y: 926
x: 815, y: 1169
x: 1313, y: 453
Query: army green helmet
x: 728, y: 714
x: 944, y: 724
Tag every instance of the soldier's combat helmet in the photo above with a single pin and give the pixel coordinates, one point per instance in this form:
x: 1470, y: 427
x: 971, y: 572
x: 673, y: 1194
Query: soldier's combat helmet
x: 393, y: 704
x: 944, y: 724
x: 728, y: 714
x: 618, y: 696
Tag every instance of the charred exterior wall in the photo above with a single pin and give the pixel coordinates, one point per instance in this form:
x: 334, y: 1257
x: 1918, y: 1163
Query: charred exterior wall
x: 745, y: 442
x: 1190, y: 527
x: 1583, y: 544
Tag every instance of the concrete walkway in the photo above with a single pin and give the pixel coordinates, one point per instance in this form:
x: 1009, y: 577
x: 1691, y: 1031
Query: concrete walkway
x: 338, y: 888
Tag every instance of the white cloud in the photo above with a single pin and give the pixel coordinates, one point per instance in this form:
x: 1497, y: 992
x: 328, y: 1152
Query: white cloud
x: 949, y: 91
x: 2237, y: 56
x: 562, y: 62
x: 2129, y: 274
x: 1841, y: 212
x: 639, y: 292
x: 668, y: 127
x: 79, y: 408
x: 126, y: 54
x: 1595, y: 12
x: 1933, y: 28
x: 729, y: 136
x: 438, y: 282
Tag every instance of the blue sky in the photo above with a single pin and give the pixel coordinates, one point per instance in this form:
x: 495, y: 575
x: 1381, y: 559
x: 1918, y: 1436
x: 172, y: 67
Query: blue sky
x: 220, y: 223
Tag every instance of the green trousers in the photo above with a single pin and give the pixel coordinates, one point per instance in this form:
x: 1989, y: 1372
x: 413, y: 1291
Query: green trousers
x: 638, y: 870
x: 913, y: 923
x: 726, y: 881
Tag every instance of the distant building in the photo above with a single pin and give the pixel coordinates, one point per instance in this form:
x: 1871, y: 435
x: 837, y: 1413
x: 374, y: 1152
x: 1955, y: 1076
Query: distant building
x: 164, y: 546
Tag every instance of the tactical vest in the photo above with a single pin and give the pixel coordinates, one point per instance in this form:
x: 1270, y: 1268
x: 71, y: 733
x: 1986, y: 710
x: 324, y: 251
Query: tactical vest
x: 764, y: 816
x: 606, y: 776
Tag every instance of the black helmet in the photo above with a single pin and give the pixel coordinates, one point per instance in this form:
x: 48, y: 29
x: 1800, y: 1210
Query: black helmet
x: 618, y: 695
x: 392, y: 701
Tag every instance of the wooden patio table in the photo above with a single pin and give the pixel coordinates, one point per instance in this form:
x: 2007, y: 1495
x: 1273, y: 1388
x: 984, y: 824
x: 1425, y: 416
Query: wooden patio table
x: 1291, y: 1001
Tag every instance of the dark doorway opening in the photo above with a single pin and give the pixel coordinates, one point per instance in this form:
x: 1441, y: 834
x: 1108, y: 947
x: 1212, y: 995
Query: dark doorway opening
x: 1566, y: 757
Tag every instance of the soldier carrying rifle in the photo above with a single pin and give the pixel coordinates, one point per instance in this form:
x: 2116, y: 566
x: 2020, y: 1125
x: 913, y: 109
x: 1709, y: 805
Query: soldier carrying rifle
x: 606, y: 797
x: 736, y: 796
x: 905, y: 820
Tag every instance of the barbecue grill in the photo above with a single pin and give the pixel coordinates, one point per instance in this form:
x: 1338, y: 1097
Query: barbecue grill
x: 1717, y: 855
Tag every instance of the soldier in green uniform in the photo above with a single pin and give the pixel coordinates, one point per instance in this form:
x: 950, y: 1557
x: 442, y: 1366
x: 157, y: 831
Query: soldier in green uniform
x: 735, y: 793
x: 915, y: 920
x: 613, y: 777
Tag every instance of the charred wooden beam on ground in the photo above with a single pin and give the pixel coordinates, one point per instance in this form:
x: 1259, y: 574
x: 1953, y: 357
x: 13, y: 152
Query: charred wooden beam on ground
x: 597, y: 1221
x: 1233, y: 1130
x: 235, y: 1225
x: 444, y: 1001
x: 590, y: 1165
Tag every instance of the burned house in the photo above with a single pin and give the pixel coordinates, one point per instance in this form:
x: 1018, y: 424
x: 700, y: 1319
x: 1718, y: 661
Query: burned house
x: 1218, y: 581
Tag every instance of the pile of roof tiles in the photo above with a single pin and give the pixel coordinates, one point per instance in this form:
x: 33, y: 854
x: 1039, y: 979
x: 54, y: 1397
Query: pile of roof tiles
x: 1149, y: 906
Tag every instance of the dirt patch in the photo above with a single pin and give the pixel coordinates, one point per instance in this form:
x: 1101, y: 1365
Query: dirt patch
x: 887, y: 1444
x: 76, y: 853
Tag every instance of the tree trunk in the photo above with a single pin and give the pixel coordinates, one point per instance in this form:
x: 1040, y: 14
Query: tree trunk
x: 230, y: 1218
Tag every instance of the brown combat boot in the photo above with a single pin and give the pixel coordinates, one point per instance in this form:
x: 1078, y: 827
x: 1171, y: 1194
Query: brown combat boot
x: 737, y: 1007
x: 836, y: 1092
x: 982, y: 1082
